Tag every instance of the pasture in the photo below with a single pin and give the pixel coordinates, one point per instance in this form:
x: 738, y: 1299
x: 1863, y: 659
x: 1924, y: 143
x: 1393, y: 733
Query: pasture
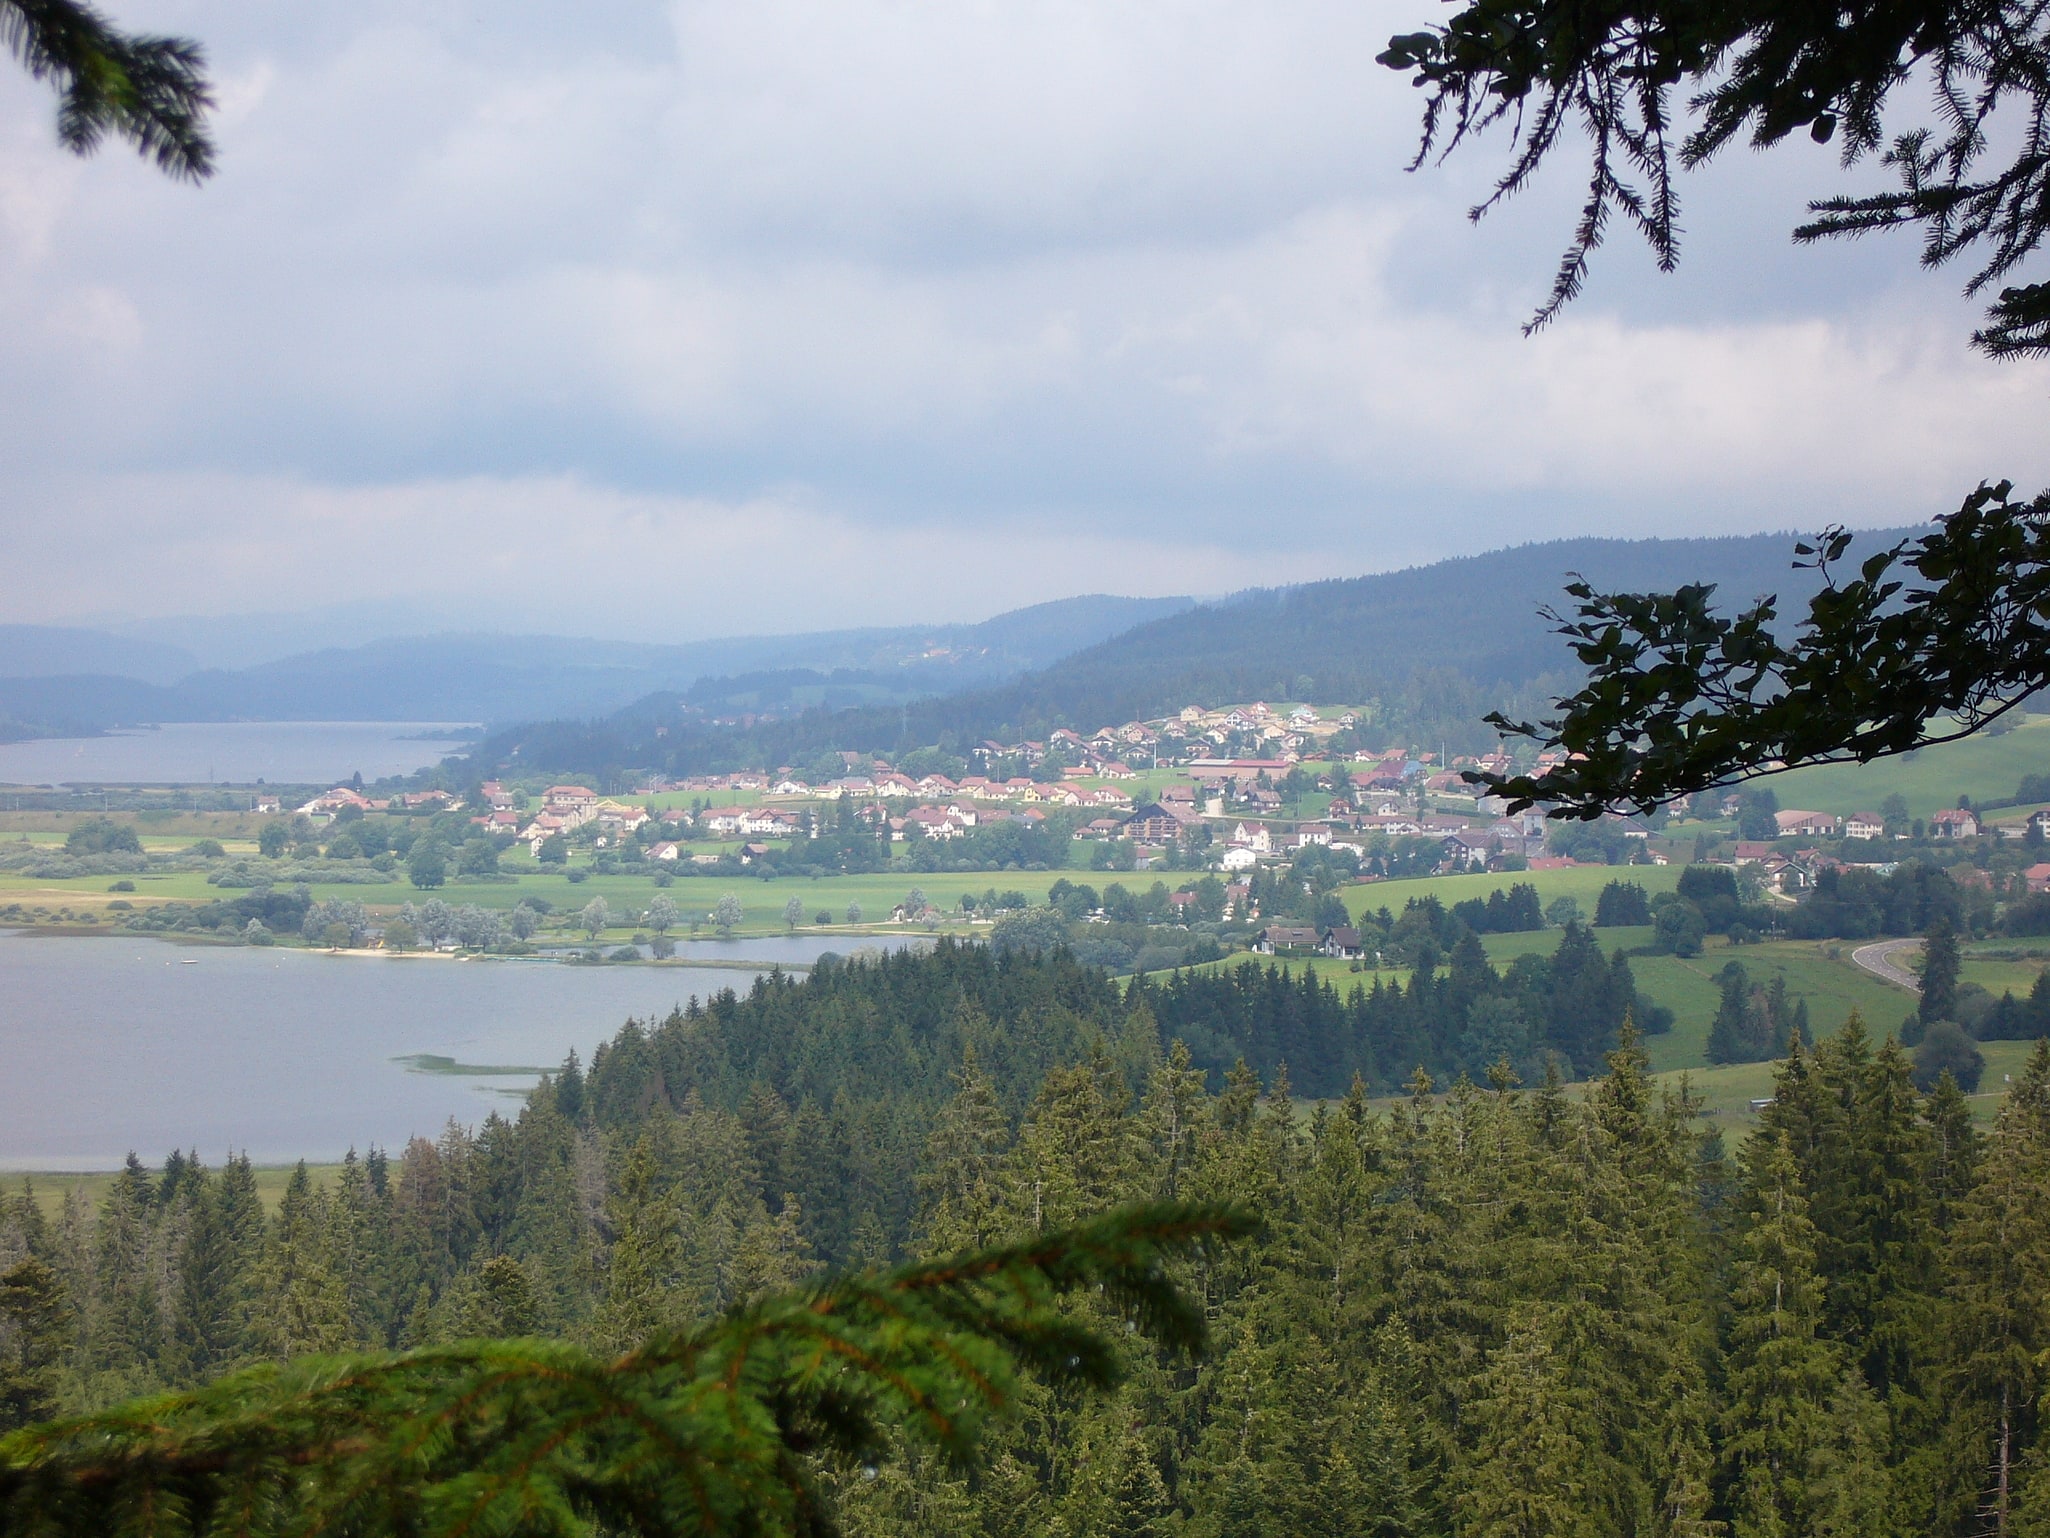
x: 1984, y: 767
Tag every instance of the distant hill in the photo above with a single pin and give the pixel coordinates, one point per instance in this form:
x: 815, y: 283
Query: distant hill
x: 496, y: 678
x: 1475, y: 619
x: 43, y: 651
x: 1435, y: 646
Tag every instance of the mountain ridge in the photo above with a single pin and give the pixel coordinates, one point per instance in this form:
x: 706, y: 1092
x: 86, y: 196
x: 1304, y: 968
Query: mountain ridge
x: 1435, y: 647
x: 481, y: 676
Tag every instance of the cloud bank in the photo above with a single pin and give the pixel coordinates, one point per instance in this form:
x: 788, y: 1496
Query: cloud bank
x: 676, y: 321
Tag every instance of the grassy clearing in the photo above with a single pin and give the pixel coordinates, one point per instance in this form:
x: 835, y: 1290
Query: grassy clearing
x: 1829, y: 982
x: 762, y: 901
x: 176, y: 827
x: 1985, y: 768
x: 1998, y: 977
x: 1727, y: 1093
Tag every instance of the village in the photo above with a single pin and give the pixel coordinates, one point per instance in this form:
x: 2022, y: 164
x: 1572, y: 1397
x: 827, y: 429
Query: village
x: 1231, y: 790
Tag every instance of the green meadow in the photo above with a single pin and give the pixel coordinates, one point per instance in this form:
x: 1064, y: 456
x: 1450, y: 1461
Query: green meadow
x: 1985, y: 768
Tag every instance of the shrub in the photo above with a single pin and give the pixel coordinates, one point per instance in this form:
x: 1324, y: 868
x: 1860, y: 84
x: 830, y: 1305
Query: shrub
x: 1946, y: 1048
x: 101, y: 835
x: 1680, y: 928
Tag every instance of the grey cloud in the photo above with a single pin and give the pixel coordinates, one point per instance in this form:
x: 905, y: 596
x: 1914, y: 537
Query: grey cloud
x: 1092, y: 295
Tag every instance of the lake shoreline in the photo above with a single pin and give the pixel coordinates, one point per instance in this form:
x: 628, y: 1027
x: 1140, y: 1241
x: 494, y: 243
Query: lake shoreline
x: 230, y: 755
x: 376, y: 953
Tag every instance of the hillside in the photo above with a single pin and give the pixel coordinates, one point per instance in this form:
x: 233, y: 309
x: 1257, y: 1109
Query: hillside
x: 1436, y: 647
x: 44, y: 651
x: 1362, y: 637
x: 1987, y: 767
x: 477, y: 677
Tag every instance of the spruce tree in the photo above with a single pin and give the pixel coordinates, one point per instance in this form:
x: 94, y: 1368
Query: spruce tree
x: 645, y: 1264
x: 305, y: 1307
x: 1955, y: 1150
x: 1941, y: 966
x: 1854, y: 1491
x: 34, y: 1331
x: 1780, y: 1375
x: 957, y: 1177
x: 1531, y: 1472
x: 209, y: 1303
x: 1729, y: 1034
x: 1998, y: 1328
x: 1884, y: 1288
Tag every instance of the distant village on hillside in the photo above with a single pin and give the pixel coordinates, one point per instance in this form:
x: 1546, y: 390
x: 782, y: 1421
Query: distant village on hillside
x: 1222, y: 789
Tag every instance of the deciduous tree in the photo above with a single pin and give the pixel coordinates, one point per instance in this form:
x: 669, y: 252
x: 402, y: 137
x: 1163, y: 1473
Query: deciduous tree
x: 1929, y: 640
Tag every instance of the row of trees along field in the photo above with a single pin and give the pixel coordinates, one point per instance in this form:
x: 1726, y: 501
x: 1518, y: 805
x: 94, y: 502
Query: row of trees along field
x: 1498, y: 1310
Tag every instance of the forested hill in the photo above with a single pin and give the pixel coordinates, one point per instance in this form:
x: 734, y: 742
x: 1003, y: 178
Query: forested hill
x: 56, y: 682
x: 1359, y: 637
x: 1437, y: 646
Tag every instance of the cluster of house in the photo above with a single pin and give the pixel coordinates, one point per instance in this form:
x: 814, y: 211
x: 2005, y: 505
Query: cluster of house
x: 564, y: 809
x: 1178, y: 739
x: 330, y: 803
x: 1795, y: 869
x: 1339, y: 942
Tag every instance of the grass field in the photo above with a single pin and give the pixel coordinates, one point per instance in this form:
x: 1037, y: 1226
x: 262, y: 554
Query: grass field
x: 1985, y: 768
x: 1997, y: 977
x: 1727, y: 1093
x: 1832, y: 986
x: 762, y: 901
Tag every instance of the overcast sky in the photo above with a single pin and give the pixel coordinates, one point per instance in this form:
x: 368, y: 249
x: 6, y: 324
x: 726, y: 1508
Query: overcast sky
x: 668, y: 321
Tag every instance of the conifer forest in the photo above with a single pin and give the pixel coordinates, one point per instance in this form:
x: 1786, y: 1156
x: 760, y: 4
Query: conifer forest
x: 1483, y: 1300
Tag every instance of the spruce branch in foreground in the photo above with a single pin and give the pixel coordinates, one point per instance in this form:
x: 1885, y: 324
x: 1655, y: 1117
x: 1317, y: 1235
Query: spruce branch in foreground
x: 711, y: 1430
x: 151, y: 91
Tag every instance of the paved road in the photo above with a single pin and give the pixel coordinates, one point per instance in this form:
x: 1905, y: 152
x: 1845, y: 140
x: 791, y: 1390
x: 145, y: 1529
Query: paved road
x: 1878, y: 960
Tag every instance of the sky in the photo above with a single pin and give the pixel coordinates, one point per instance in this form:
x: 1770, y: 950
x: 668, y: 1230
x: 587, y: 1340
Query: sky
x: 667, y: 321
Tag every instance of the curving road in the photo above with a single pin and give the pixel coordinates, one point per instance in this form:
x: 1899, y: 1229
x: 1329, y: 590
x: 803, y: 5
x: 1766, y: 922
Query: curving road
x: 1878, y: 960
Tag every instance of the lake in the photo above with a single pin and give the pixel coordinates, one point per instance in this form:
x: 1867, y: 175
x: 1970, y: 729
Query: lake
x: 232, y: 753
x: 111, y: 1044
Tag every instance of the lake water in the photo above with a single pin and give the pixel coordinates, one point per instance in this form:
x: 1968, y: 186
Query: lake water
x: 230, y: 753
x: 111, y: 1044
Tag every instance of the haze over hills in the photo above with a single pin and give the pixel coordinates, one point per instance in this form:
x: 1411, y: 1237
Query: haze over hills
x: 42, y: 651
x: 56, y: 681
x: 1436, y: 646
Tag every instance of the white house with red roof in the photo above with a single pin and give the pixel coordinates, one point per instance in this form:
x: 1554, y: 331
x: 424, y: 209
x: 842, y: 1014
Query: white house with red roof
x: 1957, y: 822
x: 1798, y: 824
